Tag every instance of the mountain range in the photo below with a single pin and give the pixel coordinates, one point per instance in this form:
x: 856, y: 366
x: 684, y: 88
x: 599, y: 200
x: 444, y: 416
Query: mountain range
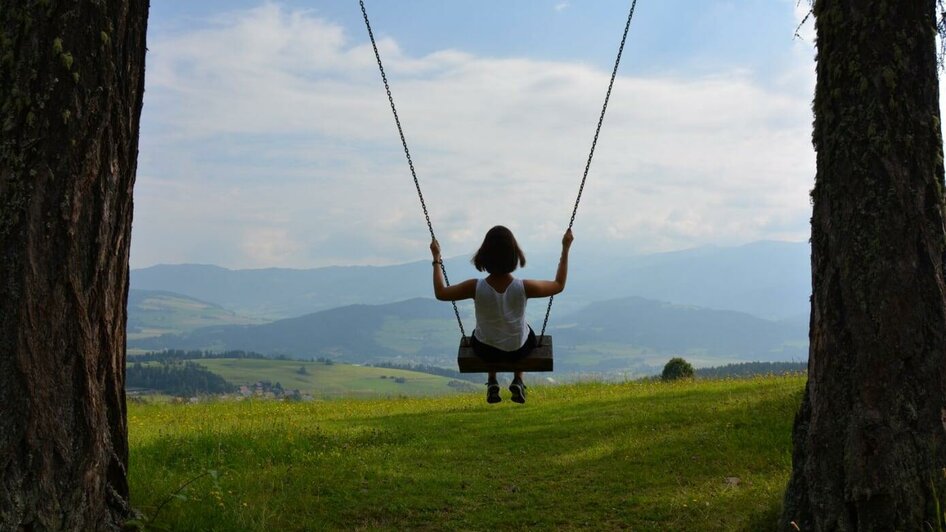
x: 623, y: 334
x: 767, y: 279
x: 711, y: 305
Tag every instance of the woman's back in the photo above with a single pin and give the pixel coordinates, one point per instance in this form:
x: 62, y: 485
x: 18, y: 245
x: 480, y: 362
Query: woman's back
x: 501, y: 316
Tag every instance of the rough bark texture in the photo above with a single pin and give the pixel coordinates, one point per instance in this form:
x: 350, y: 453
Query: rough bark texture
x: 869, y: 439
x: 71, y: 85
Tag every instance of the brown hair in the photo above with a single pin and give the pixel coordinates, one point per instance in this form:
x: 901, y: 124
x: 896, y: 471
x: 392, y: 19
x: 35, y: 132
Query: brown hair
x: 499, y: 252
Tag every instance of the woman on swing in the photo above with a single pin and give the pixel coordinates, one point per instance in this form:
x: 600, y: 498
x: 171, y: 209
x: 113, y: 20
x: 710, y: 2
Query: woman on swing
x: 501, y: 333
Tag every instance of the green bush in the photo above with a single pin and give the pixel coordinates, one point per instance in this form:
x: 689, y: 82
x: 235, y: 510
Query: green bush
x: 676, y: 369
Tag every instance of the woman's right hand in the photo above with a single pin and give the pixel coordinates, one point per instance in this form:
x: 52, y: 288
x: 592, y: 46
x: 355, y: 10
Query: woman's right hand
x: 567, y: 239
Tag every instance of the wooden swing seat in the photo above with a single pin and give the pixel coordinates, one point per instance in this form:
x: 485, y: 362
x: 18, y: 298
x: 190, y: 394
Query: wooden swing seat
x: 540, y: 359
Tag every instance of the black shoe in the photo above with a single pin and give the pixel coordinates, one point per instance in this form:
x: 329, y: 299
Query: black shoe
x: 518, y: 390
x: 492, y: 393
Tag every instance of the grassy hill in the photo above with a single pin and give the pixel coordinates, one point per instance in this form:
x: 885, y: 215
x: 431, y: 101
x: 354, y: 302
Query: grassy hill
x: 153, y: 313
x: 336, y: 380
x: 645, y: 456
x: 319, y: 379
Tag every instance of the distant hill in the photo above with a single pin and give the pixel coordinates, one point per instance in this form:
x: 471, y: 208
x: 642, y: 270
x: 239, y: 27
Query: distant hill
x: 634, y: 333
x: 318, y: 379
x: 766, y: 279
x: 672, y: 328
x: 275, y: 293
x: 335, y: 380
x: 153, y: 313
x: 355, y: 333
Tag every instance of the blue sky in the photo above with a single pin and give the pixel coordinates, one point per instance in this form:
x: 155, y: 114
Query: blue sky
x: 267, y: 141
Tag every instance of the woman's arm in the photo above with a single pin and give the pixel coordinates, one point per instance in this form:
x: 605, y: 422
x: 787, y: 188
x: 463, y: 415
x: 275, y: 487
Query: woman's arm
x: 550, y: 288
x: 456, y: 292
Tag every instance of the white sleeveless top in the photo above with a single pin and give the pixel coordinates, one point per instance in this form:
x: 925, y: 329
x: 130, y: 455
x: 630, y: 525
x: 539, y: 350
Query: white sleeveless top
x: 501, y: 318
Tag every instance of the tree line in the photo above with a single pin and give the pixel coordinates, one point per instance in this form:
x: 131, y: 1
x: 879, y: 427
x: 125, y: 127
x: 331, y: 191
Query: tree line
x: 752, y: 369
x: 179, y: 354
x: 180, y: 378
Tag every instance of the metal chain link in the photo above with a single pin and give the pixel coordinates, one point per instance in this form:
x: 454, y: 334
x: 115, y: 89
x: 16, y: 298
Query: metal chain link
x: 594, y: 142
x: 407, y: 153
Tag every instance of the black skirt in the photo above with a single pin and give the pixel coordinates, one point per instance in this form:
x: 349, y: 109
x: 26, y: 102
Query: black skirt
x: 492, y: 354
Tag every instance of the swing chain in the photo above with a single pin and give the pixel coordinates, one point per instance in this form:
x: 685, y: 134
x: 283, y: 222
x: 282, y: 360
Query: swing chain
x: 594, y: 143
x: 410, y: 162
x: 456, y: 312
x: 407, y: 153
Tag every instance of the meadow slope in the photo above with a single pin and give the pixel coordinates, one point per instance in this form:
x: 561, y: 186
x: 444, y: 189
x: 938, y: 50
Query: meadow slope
x: 336, y: 380
x: 705, y: 455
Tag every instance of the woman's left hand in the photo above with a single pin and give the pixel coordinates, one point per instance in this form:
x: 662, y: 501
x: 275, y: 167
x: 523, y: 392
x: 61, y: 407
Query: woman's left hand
x: 435, y: 249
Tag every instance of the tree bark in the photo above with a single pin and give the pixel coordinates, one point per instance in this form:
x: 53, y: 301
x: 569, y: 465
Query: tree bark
x: 869, y: 439
x: 71, y: 86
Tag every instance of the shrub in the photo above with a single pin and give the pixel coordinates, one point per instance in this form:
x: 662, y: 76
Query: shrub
x: 677, y: 368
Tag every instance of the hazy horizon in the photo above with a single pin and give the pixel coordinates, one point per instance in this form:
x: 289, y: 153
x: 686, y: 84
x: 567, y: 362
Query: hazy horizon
x: 540, y: 255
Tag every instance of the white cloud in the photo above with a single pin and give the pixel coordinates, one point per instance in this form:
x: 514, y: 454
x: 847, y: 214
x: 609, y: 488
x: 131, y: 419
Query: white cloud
x: 269, y: 142
x: 561, y: 6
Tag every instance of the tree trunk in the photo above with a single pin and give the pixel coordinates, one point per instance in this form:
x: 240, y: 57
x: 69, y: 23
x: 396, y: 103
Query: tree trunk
x: 71, y: 86
x: 869, y: 439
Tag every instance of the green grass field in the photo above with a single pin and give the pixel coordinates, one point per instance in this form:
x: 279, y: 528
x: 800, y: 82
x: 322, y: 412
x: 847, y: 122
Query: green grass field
x: 331, y: 381
x: 705, y: 455
x: 328, y: 381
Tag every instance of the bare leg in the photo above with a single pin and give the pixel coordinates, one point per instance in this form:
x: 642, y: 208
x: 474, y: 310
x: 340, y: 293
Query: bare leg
x: 519, y: 376
x: 492, y: 377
